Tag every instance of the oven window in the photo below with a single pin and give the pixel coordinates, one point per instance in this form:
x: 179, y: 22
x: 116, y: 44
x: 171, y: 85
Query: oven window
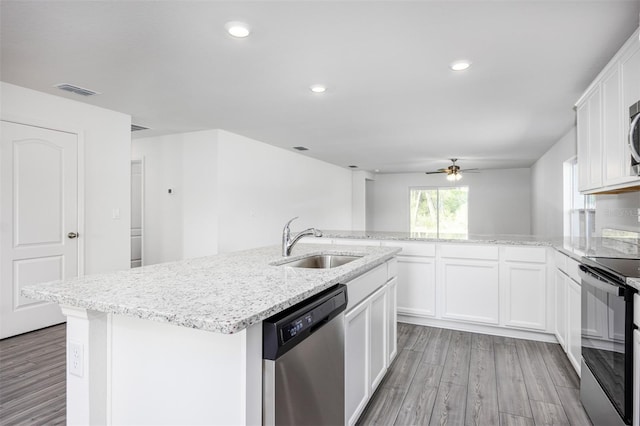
x: 603, y: 340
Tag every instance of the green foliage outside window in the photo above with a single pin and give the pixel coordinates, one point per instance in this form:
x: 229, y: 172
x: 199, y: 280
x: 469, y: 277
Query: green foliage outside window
x: 441, y: 212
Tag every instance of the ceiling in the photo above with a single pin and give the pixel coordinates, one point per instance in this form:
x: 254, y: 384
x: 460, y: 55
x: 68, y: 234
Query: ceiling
x: 392, y: 104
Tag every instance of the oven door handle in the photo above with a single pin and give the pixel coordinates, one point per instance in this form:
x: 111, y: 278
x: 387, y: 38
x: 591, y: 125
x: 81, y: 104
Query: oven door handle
x: 595, y: 281
x: 634, y: 152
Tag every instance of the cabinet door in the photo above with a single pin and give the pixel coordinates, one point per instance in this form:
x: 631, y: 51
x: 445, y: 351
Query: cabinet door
x: 416, y: 286
x: 525, y: 295
x: 392, y: 319
x: 561, y: 308
x: 356, y: 362
x: 470, y: 290
x: 378, y: 339
x: 574, y: 344
x: 590, y: 141
x: 614, y: 149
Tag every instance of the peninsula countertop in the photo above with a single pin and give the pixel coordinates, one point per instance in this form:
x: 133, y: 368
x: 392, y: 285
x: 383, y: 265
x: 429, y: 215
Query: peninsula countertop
x: 224, y: 293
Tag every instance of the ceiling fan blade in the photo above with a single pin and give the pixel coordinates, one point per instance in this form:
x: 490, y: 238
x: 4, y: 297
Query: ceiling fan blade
x: 433, y: 173
x: 468, y: 170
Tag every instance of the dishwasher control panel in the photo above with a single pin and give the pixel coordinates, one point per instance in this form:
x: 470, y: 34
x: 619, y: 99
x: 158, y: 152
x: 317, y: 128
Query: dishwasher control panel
x: 284, y: 330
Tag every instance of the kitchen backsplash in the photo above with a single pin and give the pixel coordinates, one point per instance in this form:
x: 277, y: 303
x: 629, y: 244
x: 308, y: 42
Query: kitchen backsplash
x: 618, y: 212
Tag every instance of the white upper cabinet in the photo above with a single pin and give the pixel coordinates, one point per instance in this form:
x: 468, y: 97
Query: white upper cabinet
x: 603, y: 123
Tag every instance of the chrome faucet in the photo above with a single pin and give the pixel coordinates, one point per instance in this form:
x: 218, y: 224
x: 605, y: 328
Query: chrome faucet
x: 288, y: 242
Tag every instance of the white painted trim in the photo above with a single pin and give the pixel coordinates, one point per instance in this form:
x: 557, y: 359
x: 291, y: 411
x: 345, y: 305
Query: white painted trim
x: 477, y: 328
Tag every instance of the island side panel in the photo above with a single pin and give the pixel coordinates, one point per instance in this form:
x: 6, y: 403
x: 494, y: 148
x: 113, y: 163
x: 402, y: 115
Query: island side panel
x: 166, y: 374
x: 87, y: 366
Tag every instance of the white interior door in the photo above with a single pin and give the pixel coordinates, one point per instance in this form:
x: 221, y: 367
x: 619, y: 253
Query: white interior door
x: 38, y: 220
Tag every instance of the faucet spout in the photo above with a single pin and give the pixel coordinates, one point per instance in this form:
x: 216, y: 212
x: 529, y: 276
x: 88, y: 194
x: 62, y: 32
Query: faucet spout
x: 288, y: 242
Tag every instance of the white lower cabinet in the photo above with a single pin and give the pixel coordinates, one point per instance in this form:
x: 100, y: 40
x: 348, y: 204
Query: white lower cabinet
x: 525, y: 295
x: 392, y: 319
x: 560, y: 308
x: 370, y: 338
x: 470, y: 290
x: 574, y: 342
x: 378, y: 340
x: 356, y: 362
x: 417, y: 286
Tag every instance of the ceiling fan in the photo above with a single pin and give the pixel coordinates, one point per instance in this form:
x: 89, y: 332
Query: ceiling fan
x: 453, y: 171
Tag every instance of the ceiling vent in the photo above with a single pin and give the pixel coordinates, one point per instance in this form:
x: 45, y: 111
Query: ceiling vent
x: 75, y: 89
x: 135, y: 128
x: 301, y: 148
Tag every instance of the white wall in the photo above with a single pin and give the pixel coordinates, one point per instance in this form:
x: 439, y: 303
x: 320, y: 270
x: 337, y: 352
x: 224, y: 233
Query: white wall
x: 106, y: 137
x: 260, y: 187
x: 232, y: 193
x: 184, y: 223
x: 547, y: 187
x: 359, y: 180
x: 498, y: 200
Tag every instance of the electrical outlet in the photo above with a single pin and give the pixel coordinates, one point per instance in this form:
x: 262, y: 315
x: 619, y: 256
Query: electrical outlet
x: 76, y: 359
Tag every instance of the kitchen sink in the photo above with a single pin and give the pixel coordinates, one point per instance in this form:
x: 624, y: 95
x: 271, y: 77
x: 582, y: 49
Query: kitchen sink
x: 321, y: 261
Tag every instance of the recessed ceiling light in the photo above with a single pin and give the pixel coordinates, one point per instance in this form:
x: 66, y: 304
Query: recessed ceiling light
x: 460, y: 65
x: 318, y: 88
x: 237, y: 29
x: 353, y: 167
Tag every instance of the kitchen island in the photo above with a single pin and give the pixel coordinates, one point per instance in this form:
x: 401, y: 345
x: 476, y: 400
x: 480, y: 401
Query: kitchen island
x: 181, y: 342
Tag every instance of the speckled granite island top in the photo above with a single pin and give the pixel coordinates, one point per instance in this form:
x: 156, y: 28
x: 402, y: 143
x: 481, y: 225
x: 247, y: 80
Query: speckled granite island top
x: 224, y: 293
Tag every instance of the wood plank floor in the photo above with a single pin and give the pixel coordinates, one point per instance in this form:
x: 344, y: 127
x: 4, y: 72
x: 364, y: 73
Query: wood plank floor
x: 458, y: 378
x: 439, y: 377
x: 33, y: 378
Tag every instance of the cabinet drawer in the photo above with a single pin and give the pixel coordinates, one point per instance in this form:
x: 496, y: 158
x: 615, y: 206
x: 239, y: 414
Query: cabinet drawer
x: 413, y: 248
x: 525, y: 254
x: 561, y: 261
x: 465, y: 251
x: 572, y: 270
x: 361, y: 287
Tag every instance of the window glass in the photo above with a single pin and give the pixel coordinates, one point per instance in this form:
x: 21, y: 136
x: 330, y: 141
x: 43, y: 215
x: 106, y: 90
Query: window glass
x: 441, y: 212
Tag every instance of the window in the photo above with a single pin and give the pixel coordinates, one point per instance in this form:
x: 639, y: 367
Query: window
x: 579, y: 210
x: 443, y: 212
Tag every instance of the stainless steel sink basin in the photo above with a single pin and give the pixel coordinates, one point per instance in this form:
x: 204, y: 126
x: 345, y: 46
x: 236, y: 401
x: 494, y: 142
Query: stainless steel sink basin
x: 321, y: 261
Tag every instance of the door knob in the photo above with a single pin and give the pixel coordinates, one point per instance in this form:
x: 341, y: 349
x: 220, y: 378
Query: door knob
x: 72, y: 235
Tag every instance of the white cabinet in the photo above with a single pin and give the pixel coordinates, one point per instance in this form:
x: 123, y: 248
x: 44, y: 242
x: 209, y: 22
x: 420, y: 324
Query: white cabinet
x: 356, y: 362
x: 525, y: 295
x: 378, y: 341
x: 470, y: 290
x: 416, y: 278
x: 590, y: 141
x: 603, y: 123
x: 417, y: 286
x: 392, y: 318
x: 561, y: 329
x: 370, y: 336
x: 574, y: 345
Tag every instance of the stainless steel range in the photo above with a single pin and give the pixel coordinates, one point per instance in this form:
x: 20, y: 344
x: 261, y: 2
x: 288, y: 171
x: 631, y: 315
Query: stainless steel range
x: 606, y: 388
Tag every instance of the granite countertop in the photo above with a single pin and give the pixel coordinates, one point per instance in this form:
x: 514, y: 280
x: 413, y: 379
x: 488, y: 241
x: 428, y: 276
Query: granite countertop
x: 225, y: 293
x: 509, y: 239
x: 575, y: 248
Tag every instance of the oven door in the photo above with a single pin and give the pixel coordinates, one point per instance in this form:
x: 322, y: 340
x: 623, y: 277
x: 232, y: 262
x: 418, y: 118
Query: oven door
x: 607, y: 349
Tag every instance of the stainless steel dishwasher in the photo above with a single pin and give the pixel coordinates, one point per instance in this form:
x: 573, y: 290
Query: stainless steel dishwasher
x: 303, y: 362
